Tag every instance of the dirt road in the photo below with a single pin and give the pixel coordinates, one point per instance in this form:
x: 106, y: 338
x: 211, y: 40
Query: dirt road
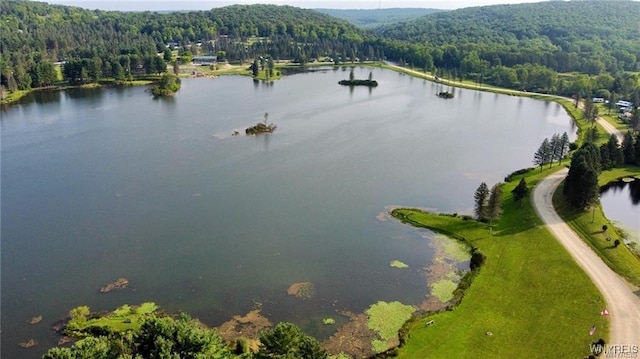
x: 622, y: 304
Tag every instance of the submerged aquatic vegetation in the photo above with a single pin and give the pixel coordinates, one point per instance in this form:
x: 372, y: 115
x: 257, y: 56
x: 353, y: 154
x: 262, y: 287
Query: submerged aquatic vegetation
x: 328, y: 321
x: 302, y: 290
x: 386, y: 319
x: 398, y: 264
x: 443, y: 289
x: 452, y: 248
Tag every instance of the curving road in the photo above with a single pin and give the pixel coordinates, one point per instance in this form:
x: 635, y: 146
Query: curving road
x: 623, y: 305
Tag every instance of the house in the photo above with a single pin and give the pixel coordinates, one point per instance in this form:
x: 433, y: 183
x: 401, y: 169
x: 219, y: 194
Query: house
x: 205, y: 60
x: 624, y: 104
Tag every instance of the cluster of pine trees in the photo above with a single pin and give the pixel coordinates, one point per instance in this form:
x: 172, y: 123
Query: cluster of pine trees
x: 581, y: 184
x: 552, y: 150
x: 488, y: 203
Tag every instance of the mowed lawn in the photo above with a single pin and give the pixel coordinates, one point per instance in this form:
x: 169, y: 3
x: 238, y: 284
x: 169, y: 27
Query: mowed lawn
x: 530, y: 299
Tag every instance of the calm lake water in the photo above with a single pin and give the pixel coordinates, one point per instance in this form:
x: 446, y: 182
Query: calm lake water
x: 107, y: 183
x: 621, y: 204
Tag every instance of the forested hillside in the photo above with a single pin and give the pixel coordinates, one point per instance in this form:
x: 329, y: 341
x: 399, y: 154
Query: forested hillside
x: 103, y: 41
x: 369, y: 18
x: 587, y: 36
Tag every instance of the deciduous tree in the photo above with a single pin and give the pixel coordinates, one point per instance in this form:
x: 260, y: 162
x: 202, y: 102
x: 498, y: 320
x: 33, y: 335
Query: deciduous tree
x: 286, y: 341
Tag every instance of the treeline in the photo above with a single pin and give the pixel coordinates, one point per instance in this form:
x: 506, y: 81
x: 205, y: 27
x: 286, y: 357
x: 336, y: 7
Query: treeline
x: 527, y: 46
x: 369, y: 18
x: 552, y: 150
x: 183, y: 337
x: 591, y: 37
x: 34, y: 33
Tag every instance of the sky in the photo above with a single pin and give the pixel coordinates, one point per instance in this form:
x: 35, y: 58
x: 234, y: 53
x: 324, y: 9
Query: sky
x: 159, y: 5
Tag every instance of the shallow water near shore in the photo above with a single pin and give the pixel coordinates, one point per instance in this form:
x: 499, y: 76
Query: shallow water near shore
x: 99, y: 184
x: 621, y: 204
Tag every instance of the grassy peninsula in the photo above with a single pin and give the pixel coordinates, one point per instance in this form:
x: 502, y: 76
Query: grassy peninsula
x: 528, y: 295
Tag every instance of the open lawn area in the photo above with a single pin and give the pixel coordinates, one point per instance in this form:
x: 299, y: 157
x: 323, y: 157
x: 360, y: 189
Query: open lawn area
x: 529, y: 300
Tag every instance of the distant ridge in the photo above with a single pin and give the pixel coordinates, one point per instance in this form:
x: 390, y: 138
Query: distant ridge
x: 369, y: 18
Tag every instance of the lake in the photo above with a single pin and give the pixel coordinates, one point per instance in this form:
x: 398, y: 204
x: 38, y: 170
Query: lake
x: 99, y: 184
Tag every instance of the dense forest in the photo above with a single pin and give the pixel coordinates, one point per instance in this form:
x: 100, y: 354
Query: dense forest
x: 577, y: 48
x: 370, y: 18
x: 527, y: 46
x: 120, y: 44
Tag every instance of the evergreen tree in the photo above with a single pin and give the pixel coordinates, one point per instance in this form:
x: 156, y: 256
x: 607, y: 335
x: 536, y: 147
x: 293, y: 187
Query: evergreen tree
x: 520, y: 191
x: 543, y: 154
x: 494, y: 204
x: 594, y: 156
x: 176, y: 68
x: 554, y: 143
x: 581, y: 183
x: 615, y: 151
x: 270, y: 66
x: 628, y: 149
x: 637, y: 148
x: 481, y: 196
x: 564, y: 146
x: 255, y: 68
x: 605, y: 157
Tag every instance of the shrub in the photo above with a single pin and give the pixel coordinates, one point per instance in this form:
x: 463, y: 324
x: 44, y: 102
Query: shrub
x: 477, y: 259
x: 242, y: 346
x: 516, y: 173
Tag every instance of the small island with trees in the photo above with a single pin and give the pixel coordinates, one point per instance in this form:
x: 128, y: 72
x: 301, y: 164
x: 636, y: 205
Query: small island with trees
x: 261, y: 127
x: 168, y: 85
x: 352, y: 81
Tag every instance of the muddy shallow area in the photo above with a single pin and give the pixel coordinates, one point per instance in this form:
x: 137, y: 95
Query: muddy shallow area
x: 355, y: 338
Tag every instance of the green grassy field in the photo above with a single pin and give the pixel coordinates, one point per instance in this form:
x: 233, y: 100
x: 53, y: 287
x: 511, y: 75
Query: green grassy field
x: 14, y: 96
x: 530, y: 296
x: 122, y: 319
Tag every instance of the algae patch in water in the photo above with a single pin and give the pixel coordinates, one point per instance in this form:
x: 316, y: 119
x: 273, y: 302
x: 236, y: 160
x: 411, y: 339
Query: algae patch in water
x: 443, y: 289
x: 328, y: 321
x: 386, y: 319
x: 452, y: 248
x: 398, y: 264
